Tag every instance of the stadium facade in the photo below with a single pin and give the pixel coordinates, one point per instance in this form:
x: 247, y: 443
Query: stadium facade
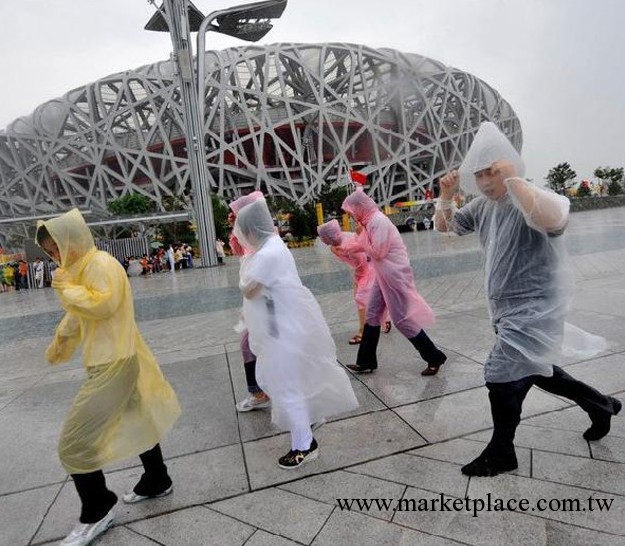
x: 283, y: 118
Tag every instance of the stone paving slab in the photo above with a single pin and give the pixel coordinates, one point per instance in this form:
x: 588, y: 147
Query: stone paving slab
x: 267, y: 509
x: 353, y: 528
x: 417, y: 471
x: 341, y: 443
x: 488, y: 528
x: 341, y: 484
x: 508, y: 487
x: 193, y: 526
x: 595, y: 475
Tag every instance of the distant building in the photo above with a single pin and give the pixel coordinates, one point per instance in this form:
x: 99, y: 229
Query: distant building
x: 283, y: 118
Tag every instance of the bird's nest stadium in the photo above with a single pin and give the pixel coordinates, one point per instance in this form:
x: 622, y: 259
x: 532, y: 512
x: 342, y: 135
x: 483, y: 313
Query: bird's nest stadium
x: 283, y: 118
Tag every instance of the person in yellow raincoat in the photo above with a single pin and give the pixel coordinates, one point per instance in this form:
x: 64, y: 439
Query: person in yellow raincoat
x: 126, y: 406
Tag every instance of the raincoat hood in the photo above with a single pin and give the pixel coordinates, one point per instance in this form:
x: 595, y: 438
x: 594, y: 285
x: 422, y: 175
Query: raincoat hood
x: 254, y: 225
x: 330, y: 233
x: 360, y: 206
x: 239, y: 203
x: 71, y: 234
x: 488, y: 146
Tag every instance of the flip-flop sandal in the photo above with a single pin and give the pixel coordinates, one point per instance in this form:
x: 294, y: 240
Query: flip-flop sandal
x: 355, y: 340
x: 387, y: 327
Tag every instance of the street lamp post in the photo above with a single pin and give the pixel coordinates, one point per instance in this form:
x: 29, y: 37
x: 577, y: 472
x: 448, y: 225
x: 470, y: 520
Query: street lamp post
x: 249, y: 22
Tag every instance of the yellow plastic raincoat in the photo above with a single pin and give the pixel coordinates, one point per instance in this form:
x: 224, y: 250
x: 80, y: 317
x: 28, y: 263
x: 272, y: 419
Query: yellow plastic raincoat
x: 126, y: 406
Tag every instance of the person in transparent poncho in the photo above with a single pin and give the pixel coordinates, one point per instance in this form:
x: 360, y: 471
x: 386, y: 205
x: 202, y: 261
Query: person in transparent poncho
x: 520, y: 227
x: 296, y: 356
x: 393, y: 289
x: 346, y: 249
x: 256, y: 398
x: 125, y: 406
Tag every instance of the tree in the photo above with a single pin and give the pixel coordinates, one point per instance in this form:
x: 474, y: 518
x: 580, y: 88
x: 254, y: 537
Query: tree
x: 176, y: 232
x: 302, y: 220
x: 220, y: 215
x: 131, y: 203
x: 558, y: 177
x: 331, y: 199
x: 613, y: 177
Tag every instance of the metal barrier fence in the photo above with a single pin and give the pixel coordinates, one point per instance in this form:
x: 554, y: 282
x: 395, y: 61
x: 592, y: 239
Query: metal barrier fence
x: 121, y: 248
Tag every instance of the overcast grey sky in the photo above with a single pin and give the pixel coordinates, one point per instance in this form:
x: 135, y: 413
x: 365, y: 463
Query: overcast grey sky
x: 558, y: 62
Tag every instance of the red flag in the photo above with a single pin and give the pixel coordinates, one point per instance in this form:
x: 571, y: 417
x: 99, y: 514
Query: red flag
x: 357, y: 177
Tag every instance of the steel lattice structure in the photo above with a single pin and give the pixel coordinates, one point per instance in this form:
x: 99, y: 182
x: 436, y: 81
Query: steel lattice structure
x: 283, y: 118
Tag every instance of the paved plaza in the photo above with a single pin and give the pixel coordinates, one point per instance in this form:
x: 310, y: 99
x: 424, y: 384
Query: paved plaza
x: 407, y: 440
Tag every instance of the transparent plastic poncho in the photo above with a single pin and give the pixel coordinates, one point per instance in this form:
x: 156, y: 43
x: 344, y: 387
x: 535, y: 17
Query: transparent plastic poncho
x: 125, y: 406
x: 527, y: 281
x: 489, y: 145
x: 296, y: 357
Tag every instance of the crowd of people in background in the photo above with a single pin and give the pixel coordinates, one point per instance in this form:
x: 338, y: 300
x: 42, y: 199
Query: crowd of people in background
x: 170, y: 259
x: 21, y: 275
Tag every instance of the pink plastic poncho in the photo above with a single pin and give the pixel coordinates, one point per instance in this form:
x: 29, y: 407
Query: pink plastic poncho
x: 394, y: 276
x: 235, y: 207
x: 351, y: 253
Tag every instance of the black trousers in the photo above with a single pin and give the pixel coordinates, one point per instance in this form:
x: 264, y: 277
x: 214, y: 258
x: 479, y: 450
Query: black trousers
x: 97, y: 499
x: 506, y: 401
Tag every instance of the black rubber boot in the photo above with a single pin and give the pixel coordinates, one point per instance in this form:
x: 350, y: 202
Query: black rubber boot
x: 601, y: 422
x: 429, y: 352
x: 367, y: 361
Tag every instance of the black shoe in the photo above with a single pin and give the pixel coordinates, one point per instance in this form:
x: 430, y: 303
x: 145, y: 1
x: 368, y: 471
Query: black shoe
x: 487, y: 465
x: 296, y: 458
x: 151, y: 487
x: 601, y: 422
x: 429, y: 352
x: 362, y: 369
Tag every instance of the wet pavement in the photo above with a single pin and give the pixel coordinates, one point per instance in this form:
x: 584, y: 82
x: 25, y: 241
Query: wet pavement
x: 407, y: 440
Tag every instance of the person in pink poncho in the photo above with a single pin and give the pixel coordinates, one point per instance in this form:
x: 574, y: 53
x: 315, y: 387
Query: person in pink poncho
x: 256, y: 398
x: 394, y: 288
x: 345, y: 247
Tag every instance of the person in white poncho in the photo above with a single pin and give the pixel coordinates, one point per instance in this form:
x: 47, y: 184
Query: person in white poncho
x: 296, y: 357
x: 520, y: 227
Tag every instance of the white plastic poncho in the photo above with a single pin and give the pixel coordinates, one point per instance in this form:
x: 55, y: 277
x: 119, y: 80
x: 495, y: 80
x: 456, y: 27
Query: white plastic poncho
x: 126, y: 406
x: 527, y: 282
x: 235, y: 206
x: 296, y: 356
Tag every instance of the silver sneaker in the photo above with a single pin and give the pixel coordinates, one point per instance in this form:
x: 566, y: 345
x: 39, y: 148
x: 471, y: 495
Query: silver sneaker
x: 85, y: 533
x: 131, y: 497
x: 252, y: 403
